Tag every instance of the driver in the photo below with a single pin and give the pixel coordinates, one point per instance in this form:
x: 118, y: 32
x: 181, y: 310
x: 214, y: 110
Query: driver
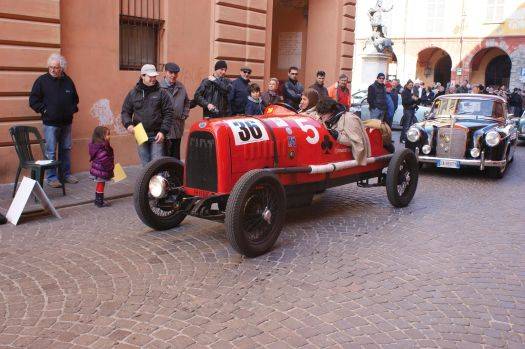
x: 345, y: 127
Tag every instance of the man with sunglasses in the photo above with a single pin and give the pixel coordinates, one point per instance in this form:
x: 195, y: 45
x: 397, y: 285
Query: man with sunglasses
x: 293, y: 89
x: 240, y: 91
x: 377, y: 98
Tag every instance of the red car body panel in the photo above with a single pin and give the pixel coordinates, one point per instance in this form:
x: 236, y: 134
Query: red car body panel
x: 299, y: 141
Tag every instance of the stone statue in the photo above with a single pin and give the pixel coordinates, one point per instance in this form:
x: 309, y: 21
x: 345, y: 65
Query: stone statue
x: 378, y: 38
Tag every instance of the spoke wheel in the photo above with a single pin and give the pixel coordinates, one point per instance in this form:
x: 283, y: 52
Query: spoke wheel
x: 255, y: 213
x: 402, y: 177
x: 154, y: 212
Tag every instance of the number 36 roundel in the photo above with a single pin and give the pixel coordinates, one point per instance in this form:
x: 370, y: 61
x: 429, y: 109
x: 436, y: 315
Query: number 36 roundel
x: 247, y: 131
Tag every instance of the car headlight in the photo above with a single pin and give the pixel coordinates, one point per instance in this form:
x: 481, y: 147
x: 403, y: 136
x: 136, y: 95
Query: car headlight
x: 492, y: 138
x: 157, y: 186
x: 413, y: 134
x: 474, y: 152
x: 426, y: 149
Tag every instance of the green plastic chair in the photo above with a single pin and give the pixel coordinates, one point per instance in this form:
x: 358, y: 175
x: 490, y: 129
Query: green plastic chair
x: 21, y: 136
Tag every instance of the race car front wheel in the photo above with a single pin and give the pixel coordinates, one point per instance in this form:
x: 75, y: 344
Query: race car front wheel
x: 163, y: 212
x: 255, y: 213
x: 401, y: 178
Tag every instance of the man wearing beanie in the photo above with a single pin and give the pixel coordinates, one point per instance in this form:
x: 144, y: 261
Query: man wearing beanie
x: 212, y: 93
x: 377, y: 98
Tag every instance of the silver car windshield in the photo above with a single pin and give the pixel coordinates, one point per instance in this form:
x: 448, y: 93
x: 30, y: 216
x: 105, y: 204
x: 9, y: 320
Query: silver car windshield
x: 447, y: 107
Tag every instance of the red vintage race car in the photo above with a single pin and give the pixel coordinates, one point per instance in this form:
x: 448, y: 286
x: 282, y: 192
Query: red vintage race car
x: 245, y: 171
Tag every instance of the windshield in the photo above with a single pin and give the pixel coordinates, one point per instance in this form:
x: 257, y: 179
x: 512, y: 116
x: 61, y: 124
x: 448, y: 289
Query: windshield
x: 450, y: 106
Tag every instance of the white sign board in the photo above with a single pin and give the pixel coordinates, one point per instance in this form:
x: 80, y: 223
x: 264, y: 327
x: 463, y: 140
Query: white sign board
x: 290, y: 50
x: 247, y: 131
x: 28, y: 187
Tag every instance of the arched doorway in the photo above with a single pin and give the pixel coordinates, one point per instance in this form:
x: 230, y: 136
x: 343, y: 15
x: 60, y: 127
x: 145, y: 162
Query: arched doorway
x: 433, y: 65
x: 491, y: 66
x: 498, y: 71
x: 442, y: 70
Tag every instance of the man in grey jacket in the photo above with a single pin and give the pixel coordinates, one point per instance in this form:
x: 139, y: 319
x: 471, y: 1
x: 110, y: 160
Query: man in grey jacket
x: 150, y: 105
x: 181, y: 107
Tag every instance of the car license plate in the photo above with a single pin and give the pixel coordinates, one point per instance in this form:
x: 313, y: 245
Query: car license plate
x: 448, y: 163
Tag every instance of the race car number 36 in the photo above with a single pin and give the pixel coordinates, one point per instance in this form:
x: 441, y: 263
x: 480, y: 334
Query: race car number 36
x: 247, y: 131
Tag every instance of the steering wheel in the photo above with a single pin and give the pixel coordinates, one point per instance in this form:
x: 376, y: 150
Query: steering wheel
x: 287, y: 106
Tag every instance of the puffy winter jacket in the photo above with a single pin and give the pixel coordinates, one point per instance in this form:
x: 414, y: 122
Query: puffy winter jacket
x: 102, y: 160
x: 150, y: 105
x: 214, y: 92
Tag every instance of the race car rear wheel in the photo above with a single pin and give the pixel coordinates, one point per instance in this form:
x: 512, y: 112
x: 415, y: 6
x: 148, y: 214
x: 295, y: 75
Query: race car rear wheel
x: 401, y: 178
x: 255, y: 213
x: 157, y: 213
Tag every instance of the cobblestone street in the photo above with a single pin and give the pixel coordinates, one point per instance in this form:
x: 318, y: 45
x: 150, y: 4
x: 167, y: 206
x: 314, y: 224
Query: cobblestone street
x: 349, y: 271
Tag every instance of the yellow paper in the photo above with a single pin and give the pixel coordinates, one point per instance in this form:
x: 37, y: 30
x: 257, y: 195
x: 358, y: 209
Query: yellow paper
x: 118, y: 173
x: 140, y: 134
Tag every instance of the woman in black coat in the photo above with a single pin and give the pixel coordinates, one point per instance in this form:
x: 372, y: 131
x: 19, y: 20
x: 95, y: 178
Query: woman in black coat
x: 410, y: 102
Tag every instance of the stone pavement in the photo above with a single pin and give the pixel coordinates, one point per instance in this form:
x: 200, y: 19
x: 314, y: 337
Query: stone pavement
x: 350, y: 271
x: 76, y: 194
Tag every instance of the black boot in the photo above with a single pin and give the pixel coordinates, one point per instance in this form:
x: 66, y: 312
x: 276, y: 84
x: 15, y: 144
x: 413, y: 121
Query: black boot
x: 99, y: 200
x: 3, y: 220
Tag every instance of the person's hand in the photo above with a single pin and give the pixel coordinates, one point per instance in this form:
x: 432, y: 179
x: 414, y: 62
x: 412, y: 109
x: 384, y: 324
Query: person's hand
x: 334, y: 133
x: 211, y: 107
x: 159, y: 138
x: 130, y: 129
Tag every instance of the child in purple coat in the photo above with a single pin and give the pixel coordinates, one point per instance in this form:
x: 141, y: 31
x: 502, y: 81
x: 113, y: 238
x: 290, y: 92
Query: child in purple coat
x: 102, y: 162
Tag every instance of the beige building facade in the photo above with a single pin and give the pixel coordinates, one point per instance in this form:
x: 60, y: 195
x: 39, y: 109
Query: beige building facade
x: 106, y: 42
x: 482, y: 41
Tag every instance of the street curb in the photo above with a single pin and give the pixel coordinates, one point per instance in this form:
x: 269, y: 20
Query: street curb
x: 79, y: 203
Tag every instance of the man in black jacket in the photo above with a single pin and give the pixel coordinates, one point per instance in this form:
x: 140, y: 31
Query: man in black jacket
x: 318, y: 85
x: 212, y: 93
x: 150, y: 105
x: 377, y: 98
x: 240, y: 91
x: 55, y: 97
x: 292, y: 89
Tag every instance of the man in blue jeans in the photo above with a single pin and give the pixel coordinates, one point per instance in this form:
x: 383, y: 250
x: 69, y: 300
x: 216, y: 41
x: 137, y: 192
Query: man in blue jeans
x: 150, y: 105
x: 55, y: 97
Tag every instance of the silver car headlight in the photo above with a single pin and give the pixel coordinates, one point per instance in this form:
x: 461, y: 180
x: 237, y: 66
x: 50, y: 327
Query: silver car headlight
x: 492, y: 138
x: 474, y: 152
x: 413, y: 134
x: 158, y: 186
x: 426, y: 149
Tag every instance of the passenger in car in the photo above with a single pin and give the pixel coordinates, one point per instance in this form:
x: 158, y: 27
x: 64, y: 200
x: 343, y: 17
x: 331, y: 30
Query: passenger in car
x: 309, y: 100
x: 345, y: 127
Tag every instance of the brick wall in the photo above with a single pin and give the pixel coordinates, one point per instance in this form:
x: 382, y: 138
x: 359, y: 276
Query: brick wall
x: 29, y: 33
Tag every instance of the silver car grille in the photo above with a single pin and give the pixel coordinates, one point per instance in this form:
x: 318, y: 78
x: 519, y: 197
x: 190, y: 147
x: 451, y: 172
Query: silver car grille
x: 451, y: 143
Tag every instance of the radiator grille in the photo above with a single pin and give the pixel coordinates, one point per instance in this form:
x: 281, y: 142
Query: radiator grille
x: 201, y: 163
x: 451, y: 143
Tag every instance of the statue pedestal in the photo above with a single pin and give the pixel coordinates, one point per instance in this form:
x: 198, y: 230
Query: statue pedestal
x: 373, y: 64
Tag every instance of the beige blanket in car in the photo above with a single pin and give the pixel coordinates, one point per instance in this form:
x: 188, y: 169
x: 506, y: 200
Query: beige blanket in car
x: 353, y: 133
